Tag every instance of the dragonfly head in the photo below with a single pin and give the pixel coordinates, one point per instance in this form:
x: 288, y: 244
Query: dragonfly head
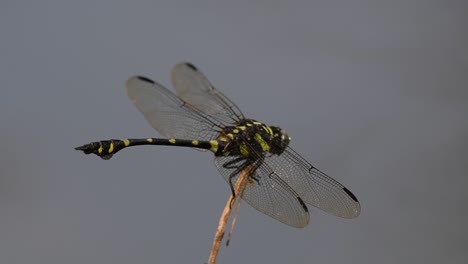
x: 280, y: 140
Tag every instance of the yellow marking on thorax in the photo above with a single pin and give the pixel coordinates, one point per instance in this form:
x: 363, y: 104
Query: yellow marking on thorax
x: 263, y: 144
x: 149, y: 140
x: 126, y: 142
x: 111, y: 148
x: 235, y: 131
x: 195, y: 142
x: 223, y: 138
x: 242, y: 128
x: 172, y: 141
x: 268, y: 129
x: 214, y: 146
x: 229, y: 135
x: 249, y: 124
x: 256, y: 123
x: 244, y: 150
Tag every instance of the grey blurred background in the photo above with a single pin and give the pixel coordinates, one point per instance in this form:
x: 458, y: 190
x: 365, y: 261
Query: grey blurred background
x: 373, y: 93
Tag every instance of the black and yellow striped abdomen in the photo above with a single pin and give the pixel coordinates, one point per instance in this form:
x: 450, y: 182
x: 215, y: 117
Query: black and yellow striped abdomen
x: 106, y: 148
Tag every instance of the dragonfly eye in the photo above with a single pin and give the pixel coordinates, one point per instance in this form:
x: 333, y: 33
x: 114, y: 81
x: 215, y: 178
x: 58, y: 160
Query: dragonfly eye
x: 280, y: 141
x: 285, y: 139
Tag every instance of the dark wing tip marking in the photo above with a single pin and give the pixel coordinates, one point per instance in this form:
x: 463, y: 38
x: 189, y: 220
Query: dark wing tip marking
x: 191, y: 66
x: 304, y: 206
x: 350, y: 194
x: 145, y: 79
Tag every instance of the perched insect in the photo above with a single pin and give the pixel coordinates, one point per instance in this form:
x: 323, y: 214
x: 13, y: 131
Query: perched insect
x: 281, y: 182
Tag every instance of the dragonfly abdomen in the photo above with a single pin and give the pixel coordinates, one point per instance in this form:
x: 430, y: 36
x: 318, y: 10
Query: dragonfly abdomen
x: 107, y: 148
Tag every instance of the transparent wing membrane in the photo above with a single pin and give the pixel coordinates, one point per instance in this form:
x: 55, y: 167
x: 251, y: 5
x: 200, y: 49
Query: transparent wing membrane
x: 194, y: 88
x: 312, y: 185
x: 268, y: 193
x: 167, y: 113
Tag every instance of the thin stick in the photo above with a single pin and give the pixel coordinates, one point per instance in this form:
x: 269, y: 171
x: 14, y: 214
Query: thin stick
x: 233, y: 222
x: 238, y: 189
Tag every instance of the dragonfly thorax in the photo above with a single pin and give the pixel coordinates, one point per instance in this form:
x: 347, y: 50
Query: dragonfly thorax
x: 253, y: 139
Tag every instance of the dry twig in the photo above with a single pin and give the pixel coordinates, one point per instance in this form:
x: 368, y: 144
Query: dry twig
x: 241, y: 182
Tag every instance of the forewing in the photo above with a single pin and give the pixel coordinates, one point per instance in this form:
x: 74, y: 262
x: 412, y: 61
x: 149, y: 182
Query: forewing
x: 168, y: 114
x: 269, y: 194
x: 313, y: 186
x: 194, y: 88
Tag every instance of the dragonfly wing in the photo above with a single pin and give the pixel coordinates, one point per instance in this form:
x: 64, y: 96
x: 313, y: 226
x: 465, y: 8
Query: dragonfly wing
x: 194, y: 88
x: 313, y: 186
x: 268, y: 193
x: 167, y: 113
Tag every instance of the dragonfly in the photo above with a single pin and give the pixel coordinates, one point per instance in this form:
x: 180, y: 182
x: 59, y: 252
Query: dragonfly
x: 281, y: 183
